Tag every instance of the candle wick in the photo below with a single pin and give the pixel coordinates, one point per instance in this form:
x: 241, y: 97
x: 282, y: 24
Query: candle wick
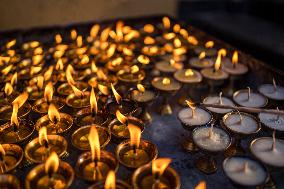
x: 274, y: 141
x: 246, y: 167
x: 274, y: 84
x: 135, y: 150
x: 220, y: 98
x: 211, y: 131
x: 193, y: 112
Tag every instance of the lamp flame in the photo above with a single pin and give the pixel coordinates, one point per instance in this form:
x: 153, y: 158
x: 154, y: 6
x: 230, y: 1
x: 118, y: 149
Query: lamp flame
x: 110, y: 180
x: 166, y: 22
x: 73, y: 34
x: 222, y: 52
x: 116, y: 95
x: 143, y: 59
x: 47, y: 75
x: 120, y: 117
x: 42, y: 136
x: 6, y: 70
x: 48, y: 92
x: 148, y: 28
x: 135, y: 135
x: 127, y: 51
x: 94, y: 68
x: 169, y: 36
x: 235, y: 58
x: 79, y: 41
x: 35, y: 70
x: 52, y: 163
x: 111, y: 50
x: 201, y: 185
x: 176, y: 28
x: 58, y: 38
x: 209, y: 44
x: 149, y: 40
x: 69, y: 77
x: 59, y: 64
x: 160, y: 165
x: 141, y: 88
x: 2, y: 150
x: 191, y: 106
x: 134, y: 69
x: 94, y: 30
x: 192, y: 40
x: 202, y: 55
x: 103, y: 89
x: 177, y: 43
x: 93, y: 101
x: 53, y: 113
x: 14, y: 116
x: 37, y: 59
x: 77, y: 91
x: 217, y: 63
x: 39, y: 80
x: 85, y: 59
x: 14, y: 78
x: 166, y: 81
x: 189, y: 72
x: 105, y: 34
x: 8, y: 89
x: 11, y: 43
x: 21, y: 99
x: 94, y: 143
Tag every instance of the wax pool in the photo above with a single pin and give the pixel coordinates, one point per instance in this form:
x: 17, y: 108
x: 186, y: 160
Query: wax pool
x: 268, y: 90
x: 201, y: 116
x: 255, y: 100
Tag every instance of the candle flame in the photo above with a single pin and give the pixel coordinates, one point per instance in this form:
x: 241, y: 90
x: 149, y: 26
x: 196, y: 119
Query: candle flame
x: 59, y: 64
x: 73, y: 34
x: 11, y: 43
x: 201, y: 185
x: 95, y: 30
x: 52, y: 163
x: 166, y: 81
x: 190, y: 104
x: 6, y: 70
x: 184, y: 33
x: 58, y: 38
x: 131, y: 35
x: 177, y: 43
x: 222, y: 52
x: 188, y: 72
x: 38, y: 51
x: 77, y: 91
x: 37, y: 59
x: 119, y: 33
x: 8, y: 89
x: 149, y: 40
x: 116, y: 95
x: 111, y: 50
x: 110, y: 180
x: 21, y: 99
x: 179, y: 51
x: 117, y: 61
x: 47, y: 75
x: 166, y: 22
x: 176, y: 28
x: 94, y: 143
x: 42, y: 136
x: 235, y: 57
x: 53, y: 113
x: 14, y: 78
x: 69, y: 77
x: 94, y: 68
x: 141, y: 88
x: 105, y: 34
x: 2, y: 150
x: 202, y: 55
x: 39, y: 80
x: 35, y: 70
x: 34, y: 44
x: 192, y: 40
x: 160, y: 165
x: 209, y: 44
x: 134, y: 69
x: 135, y: 135
x: 14, y: 116
x: 120, y: 117
x: 218, y: 63
x: 169, y: 36
x: 48, y: 92
x: 103, y: 89
x: 85, y: 59
x: 79, y: 41
x: 127, y: 51
x: 143, y: 59
x: 93, y: 101
x: 148, y: 28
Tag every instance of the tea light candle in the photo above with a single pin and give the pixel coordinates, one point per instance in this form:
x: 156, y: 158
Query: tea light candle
x: 245, y: 171
x: 218, y: 100
x: 201, y: 62
x: 234, y: 67
x: 166, y: 84
x: 272, y: 91
x: 11, y: 156
x: 268, y: 150
x: 208, y: 48
x: 142, y: 95
x: 272, y: 121
x: 188, y: 76
x: 168, y: 66
x: 249, y: 99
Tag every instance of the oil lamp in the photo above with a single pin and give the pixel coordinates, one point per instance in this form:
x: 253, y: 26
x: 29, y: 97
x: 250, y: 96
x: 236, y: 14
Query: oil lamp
x: 11, y: 156
x: 167, y: 86
x: 244, y: 171
x: 119, y: 126
x: 240, y: 125
x: 54, y: 173
x: 41, y: 105
x: 272, y: 91
x: 134, y: 153
x: 94, y: 165
x: 9, y: 181
x: 55, y: 122
x: 39, y: 149
x: 78, y: 99
x: 156, y: 175
x: 211, y: 141
x: 110, y: 183
x: 208, y: 48
x: 191, y: 118
x: 245, y: 97
x: 201, y: 62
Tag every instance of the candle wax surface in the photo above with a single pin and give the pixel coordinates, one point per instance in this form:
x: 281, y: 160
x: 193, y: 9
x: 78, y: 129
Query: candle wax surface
x: 181, y: 77
x: 209, y: 73
x: 130, y: 158
x: 148, y: 182
x: 269, y: 91
x: 254, y: 174
x: 145, y: 96
x: 219, y: 140
x: 96, y: 173
x: 272, y: 121
x: 57, y: 182
x: 256, y: 100
x: 215, y: 100
x: 8, y: 162
x: 201, y: 116
x: 262, y: 149
x: 237, y: 69
x: 248, y: 125
x: 201, y: 63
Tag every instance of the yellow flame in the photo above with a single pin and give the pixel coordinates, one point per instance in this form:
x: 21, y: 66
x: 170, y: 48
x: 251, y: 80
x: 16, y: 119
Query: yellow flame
x: 235, y: 57
x: 201, y: 185
x: 11, y: 43
x: 131, y: 35
x: 58, y: 53
x: 58, y: 38
x: 110, y: 180
x: 34, y: 44
x: 37, y: 59
x: 111, y: 50
x: 47, y: 75
x: 209, y: 44
x: 85, y: 59
x: 188, y: 72
x: 14, y: 116
x: 119, y: 34
x: 6, y: 70
x: 38, y: 51
x: 179, y: 51
x: 127, y: 51
x: 95, y: 30
x: 160, y: 165
x: 184, y: 33
x: 190, y: 104
x: 21, y: 99
x: 177, y: 43
x: 143, y: 59
x: 134, y: 69
x: 202, y: 55
x: 169, y: 36
x: 105, y: 34
x: 35, y: 69
x: 93, y: 101
x: 94, y: 143
x: 59, y: 64
x: 101, y: 75
x: 176, y: 28
x: 14, y: 78
x: 11, y: 53
x: 135, y: 135
x: 53, y: 113
x: 69, y: 77
x: 79, y: 41
x: 120, y: 117
x: 103, y: 89
x: 166, y: 81
x: 42, y: 135
x: 48, y: 92
x: 116, y: 95
x: 148, y: 28
x: 117, y: 61
x: 218, y: 63
x: 40, y: 80
x: 166, y: 22
x: 149, y: 40
x: 94, y: 68
x: 222, y: 52
x: 8, y: 89
x: 192, y: 40
x: 141, y: 88
x: 52, y: 163
x: 77, y: 91
x: 73, y: 34
x: 2, y: 150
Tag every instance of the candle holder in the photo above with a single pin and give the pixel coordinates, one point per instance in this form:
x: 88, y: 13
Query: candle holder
x: 201, y: 138
x: 86, y: 117
x: 38, y: 178
x: 38, y: 153
x: 65, y: 89
x: 132, y: 159
x: 41, y: 105
x: 272, y: 122
x: 90, y: 170
x: 126, y: 107
x: 80, y: 140
x: 78, y: 102
x: 11, y: 155
x: 7, y: 109
x: 246, y: 98
x: 199, y: 64
x: 143, y: 178
x: 240, y: 125
x: 120, y: 131
x: 9, y: 181
x: 119, y: 184
x: 12, y: 134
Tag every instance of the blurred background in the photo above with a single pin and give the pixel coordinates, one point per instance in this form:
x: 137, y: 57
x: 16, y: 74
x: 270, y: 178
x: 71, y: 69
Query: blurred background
x: 255, y: 26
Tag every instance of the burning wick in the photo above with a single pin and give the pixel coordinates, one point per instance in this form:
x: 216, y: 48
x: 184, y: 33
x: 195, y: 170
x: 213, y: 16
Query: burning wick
x: 191, y: 106
x: 51, y: 167
x: 158, y: 168
x: 53, y: 114
x: 121, y: 118
x: 135, y: 135
x: 274, y: 141
x: 93, y: 102
x: 42, y: 135
x: 248, y: 93
x: 211, y: 131
x: 217, y: 63
x: 202, y: 55
x: 14, y: 117
x: 235, y: 59
x: 116, y: 95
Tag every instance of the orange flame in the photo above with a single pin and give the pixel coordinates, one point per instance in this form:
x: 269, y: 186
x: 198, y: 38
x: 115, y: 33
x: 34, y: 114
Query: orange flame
x: 35, y: 70
x: 14, y: 79
x: 53, y: 113
x: 127, y: 51
x: 2, y: 150
x: 209, y: 44
x: 37, y: 59
x: 11, y: 43
x: 21, y: 99
x: 191, y: 106
x: 192, y: 40
x: 94, y: 68
x: 47, y: 75
x: 38, y: 51
x: 131, y: 35
x: 77, y: 91
x: 148, y: 28
x: 166, y: 81
x: 119, y: 34
x: 58, y: 38
x: 48, y: 92
x: 202, y: 55
x: 141, y: 88
x: 177, y: 43
x: 79, y: 41
x: 8, y: 89
x: 143, y: 59
x: 103, y: 89
x: 110, y: 180
x: 179, y: 51
x: 101, y: 75
x: 235, y: 57
x: 69, y: 77
x: 184, y: 33
x: 111, y: 50
x: 176, y: 28
x: 134, y: 69
x: 169, y: 36
x: 59, y: 64
x: 222, y: 52
x: 85, y: 59
x: 218, y: 63
x: 14, y: 116
x: 6, y: 70
x: 135, y: 135
x: 52, y: 163
x: 166, y: 22
x: 94, y: 30
x: 149, y: 40
x: 160, y: 165
x: 93, y: 101
x: 201, y: 185
x: 117, y: 61
x: 105, y: 34
x: 73, y: 34
x: 189, y: 72
x: 116, y: 95
x: 42, y: 136
x: 40, y: 80
x: 120, y: 117
x: 94, y: 143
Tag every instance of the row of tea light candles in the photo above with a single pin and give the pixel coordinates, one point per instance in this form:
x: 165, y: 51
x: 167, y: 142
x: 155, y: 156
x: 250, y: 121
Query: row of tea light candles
x: 163, y: 84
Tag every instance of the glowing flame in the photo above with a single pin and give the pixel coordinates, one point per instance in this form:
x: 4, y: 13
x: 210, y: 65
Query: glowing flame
x: 134, y: 69
x: 189, y: 72
x: 73, y: 34
x: 177, y: 43
x: 69, y: 77
x: 202, y: 55
x: 103, y: 89
x: 143, y: 59
x: 95, y: 30
x: 37, y: 59
x: 141, y: 88
x: 34, y: 44
x: 184, y: 33
x: 217, y: 63
x: 47, y: 75
x: 94, y: 68
x: 149, y: 40
x: 11, y: 43
x: 192, y: 40
x: 21, y: 99
x: 101, y: 75
x: 176, y: 28
x: 14, y: 116
x: 119, y: 34
x: 79, y: 41
x: 48, y: 92
x: 116, y: 95
x: 222, y: 52
x: 105, y: 34
x: 58, y: 38
x: 148, y: 28
x: 111, y: 50
x: 169, y: 36
x: 52, y: 163
x: 8, y: 89
x: 235, y: 57
x: 110, y: 180
x: 38, y: 51
x: 166, y: 81
x: 40, y: 80
x: 94, y: 143
x: 6, y: 70
x: 59, y: 64
x: 117, y: 61
x: 35, y: 69
x: 53, y: 114
x: 2, y: 150
x: 191, y: 106
x: 131, y: 35
x: 179, y: 51
x: 209, y: 44
x: 127, y: 51
x: 120, y: 117
x: 135, y: 135
x: 14, y: 78
x: 93, y: 101
x: 85, y: 59
x: 160, y: 165
x: 201, y: 185
x: 42, y: 136
x: 77, y: 91
x: 166, y: 22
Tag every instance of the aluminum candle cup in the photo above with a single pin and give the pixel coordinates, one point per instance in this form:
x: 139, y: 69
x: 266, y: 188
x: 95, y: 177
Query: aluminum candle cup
x: 132, y: 159
x: 128, y: 77
x: 11, y: 156
x: 250, y: 99
x: 234, y: 69
x: 244, y: 171
x: 119, y: 184
x: 90, y: 170
x: 214, y: 77
x: 143, y: 178
x: 80, y: 140
x: 86, y: 117
x: 41, y: 105
x: 189, y: 122
x: 8, y: 181
x: 65, y: 89
x: 10, y: 133
x: 37, y: 153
